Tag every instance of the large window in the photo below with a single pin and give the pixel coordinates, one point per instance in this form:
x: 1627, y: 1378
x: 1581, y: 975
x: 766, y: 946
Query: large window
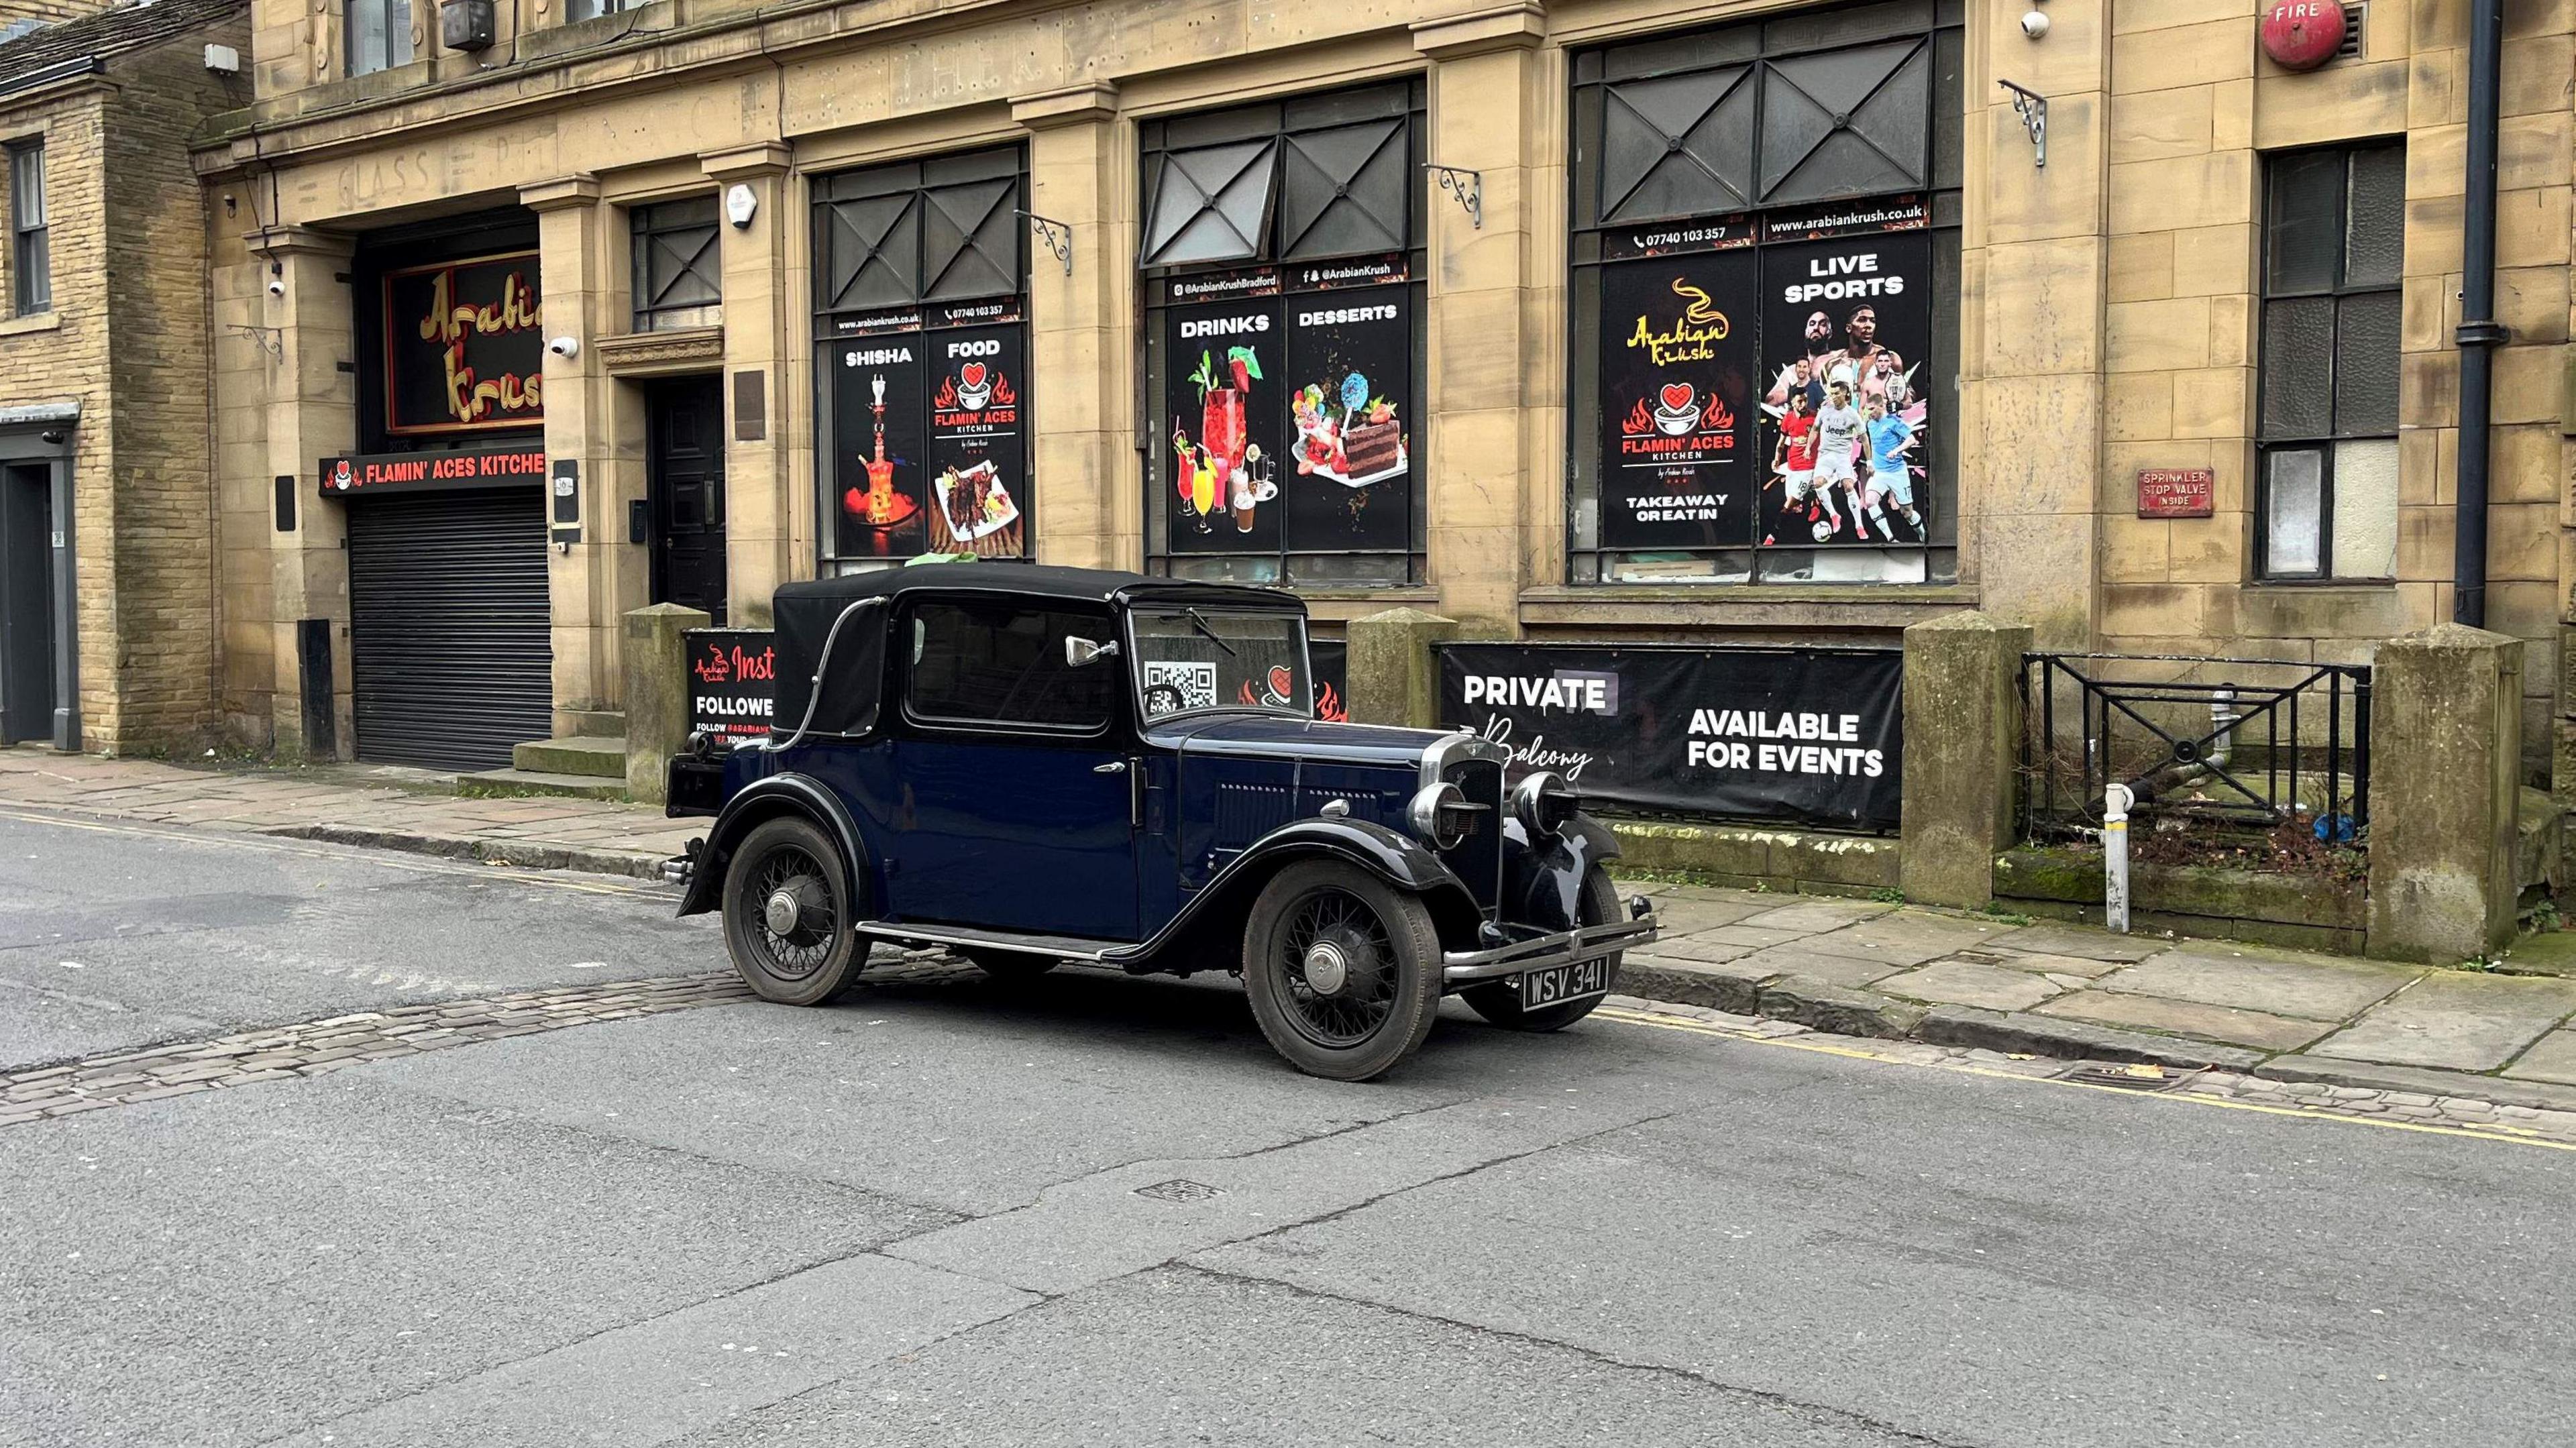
x: 2334, y: 230
x: 1764, y: 301
x: 997, y: 665
x: 31, y: 263
x: 379, y: 35
x: 678, y: 279
x: 920, y: 273
x: 1282, y: 255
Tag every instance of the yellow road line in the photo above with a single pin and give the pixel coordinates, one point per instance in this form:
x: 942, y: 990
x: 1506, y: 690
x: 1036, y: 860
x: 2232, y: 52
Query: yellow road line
x: 423, y: 863
x: 2513, y: 1135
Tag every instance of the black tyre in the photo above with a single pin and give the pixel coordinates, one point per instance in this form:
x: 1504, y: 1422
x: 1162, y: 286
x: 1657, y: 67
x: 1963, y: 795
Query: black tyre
x: 1009, y: 964
x: 1500, y: 1002
x: 788, y: 913
x: 1342, y: 968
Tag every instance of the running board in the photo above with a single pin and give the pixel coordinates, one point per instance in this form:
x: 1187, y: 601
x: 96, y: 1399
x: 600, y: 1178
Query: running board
x: 1058, y: 947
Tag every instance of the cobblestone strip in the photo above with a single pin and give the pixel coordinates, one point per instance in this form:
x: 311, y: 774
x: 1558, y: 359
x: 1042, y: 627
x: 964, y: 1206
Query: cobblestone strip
x: 314, y: 1048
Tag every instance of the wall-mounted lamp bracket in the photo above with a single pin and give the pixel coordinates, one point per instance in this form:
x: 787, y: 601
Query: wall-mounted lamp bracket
x: 2032, y: 107
x: 1055, y: 236
x: 1467, y: 186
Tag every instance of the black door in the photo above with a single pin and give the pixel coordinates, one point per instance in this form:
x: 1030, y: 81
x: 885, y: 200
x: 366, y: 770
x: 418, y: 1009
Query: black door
x: 449, y: 650
x: 685, y: 475
x: 26, y: 603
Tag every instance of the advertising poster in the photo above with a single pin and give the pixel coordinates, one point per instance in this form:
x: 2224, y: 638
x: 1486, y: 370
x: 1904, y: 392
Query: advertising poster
x: 465, y: 350
x: 1677, y: 374
x: 1847, y: 327
x: 979, y: 446
x: 879, y: 461
x: 1225, y: 398
x: 733, y: 673
x: 1806, y: 735
x: 1332, y: 660
x: 1349, y: 393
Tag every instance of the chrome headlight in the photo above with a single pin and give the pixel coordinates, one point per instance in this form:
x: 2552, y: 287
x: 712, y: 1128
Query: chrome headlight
x: 1440, y: 813
x: 1543, y: 803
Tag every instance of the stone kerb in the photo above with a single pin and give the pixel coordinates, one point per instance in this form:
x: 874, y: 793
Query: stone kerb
x: 1394, y: 670
x: 2446, y: 750
x: 1963, y: 736
x: 657, y: 694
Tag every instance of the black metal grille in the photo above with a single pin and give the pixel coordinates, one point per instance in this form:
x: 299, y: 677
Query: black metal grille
x: 2242, y: 741
x: 1478, y: 859
x: 450, y: 650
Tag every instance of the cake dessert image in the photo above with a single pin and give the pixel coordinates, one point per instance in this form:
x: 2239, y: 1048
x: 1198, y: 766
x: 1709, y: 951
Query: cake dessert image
x: 1351, y: 437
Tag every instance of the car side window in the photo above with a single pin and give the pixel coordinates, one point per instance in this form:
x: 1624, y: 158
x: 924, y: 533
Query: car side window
x: 975, y: 662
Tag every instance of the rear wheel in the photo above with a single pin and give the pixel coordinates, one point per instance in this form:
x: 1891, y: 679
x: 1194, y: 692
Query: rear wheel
x: 788, y: 913
x: 1500, y: 1002
x: 1009, y: 964
x: 1342, y: 968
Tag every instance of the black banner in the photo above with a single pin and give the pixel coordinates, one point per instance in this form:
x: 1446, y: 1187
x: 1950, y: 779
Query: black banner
x: 1677, y: 369
x: 1810, y: 735
x: 1350, y: 371
x: 878, y: 422
x: 1224, y: 397
x: 733, y: 673
x: 930, y: 449
x: 423, y: 472
x: 1847, y: 326
x: 979, y: 441
x: 464, y: 348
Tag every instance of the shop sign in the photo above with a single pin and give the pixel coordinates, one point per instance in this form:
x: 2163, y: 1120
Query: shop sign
x: 2175, y: 492
x: 1846, y: 327
x: 1852, y: 218
x: 1806, y: 735
x: 733, y: 673
x: 1677, y: 379
x: 930, y: 430
x: 2302, y: 34
x: 420, y: 472
x: 464, y: 347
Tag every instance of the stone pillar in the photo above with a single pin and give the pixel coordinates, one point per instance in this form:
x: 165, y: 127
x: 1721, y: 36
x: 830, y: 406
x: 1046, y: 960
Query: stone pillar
x: 1490, y: 112
x: 761, y: 547
x: 1963, y: 741
x: 1082, y: 163
x: 657, y: 694
x: 1394, y: 674
x: 312, y: 414
x: 2445, y: 761
x: 598, y: 578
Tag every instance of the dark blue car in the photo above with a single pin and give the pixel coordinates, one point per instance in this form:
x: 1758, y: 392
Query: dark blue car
x: 1031, y: 765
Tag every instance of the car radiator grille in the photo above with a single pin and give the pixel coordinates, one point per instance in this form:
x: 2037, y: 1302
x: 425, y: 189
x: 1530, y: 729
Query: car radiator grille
x: 1478, y: 860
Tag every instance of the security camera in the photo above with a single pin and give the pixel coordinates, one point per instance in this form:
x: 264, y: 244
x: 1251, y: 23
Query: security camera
x: 276, y: 285
x: 565, y: 346
x: 2034, y: 24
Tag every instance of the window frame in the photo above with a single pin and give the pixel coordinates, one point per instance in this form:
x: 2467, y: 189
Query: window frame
x: 2327, y: 444
x: 31, y: 285
x: 649, y: 221
x: 398, y: 50
x: 909, y: 624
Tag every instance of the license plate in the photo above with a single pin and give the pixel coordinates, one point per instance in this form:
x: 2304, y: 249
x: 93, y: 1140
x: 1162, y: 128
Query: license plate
x: 1564, y: 983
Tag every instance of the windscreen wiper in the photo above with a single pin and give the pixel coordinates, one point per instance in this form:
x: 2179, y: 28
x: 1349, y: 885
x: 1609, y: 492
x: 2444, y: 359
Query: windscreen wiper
x: 1199, y: 622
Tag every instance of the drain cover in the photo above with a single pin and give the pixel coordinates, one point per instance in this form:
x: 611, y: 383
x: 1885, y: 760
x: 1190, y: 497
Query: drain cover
x: 2126, y: 1078
x: 1181, y: 1190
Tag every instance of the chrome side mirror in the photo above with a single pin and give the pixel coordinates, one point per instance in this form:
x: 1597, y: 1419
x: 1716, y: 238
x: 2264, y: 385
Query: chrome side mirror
x: 1079, y: 651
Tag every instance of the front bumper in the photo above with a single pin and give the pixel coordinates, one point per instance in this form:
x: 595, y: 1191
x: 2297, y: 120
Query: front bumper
x: 1563, y: 947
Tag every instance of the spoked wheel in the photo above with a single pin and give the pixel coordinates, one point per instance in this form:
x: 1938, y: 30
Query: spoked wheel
x: 1009, y: 964
x: 1500, y: 1002
x: 788, y: 913
x: 1342, y: 968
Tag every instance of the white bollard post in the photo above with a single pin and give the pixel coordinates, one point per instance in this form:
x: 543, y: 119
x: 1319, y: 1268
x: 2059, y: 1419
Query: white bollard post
x: 2116, y: 800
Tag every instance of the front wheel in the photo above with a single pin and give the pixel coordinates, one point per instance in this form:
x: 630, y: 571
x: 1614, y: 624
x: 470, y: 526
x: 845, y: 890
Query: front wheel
x: 1342, y: 968
x: 1500, y: 1002
x: 788, y: 913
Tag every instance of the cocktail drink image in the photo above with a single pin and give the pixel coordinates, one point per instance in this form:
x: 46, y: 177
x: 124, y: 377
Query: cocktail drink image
x: 1203, y: 490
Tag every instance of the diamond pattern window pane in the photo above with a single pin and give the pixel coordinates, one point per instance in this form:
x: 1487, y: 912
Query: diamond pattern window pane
x: 1846, y: 122
x: 2295, y: 485
x: 871, y: 253
x: 1678, y: 145
x: 2298, y: 367
x: 1211, y: 203
x: 2365, y: 372
x: 1344, y: 190
x: 970, y: 243
x: 2375, y: 229
x: 2300, y: 237
x: 2365, y: 509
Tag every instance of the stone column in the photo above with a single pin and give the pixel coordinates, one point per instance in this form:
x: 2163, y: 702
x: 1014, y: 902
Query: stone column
x: 2446, y: 763
x: 596, y: 579
x: 1394, y: 673
x: 1089, y: 502
x: 1490, y: 112
x: 763, y: 415
x: 657, y: 694
x: 1963, y: 739
x: 312, y: 414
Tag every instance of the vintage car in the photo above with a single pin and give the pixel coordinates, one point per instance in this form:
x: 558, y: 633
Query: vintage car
x: 1030, y: 765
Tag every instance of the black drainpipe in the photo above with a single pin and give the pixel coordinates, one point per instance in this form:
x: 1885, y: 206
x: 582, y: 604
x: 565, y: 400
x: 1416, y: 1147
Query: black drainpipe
x: 2479, y: 334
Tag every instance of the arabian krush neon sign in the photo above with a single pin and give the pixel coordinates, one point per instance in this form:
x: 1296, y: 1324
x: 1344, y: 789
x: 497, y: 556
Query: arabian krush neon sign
x: 464, y: 348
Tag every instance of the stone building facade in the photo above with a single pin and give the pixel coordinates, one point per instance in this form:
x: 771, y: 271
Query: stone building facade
x: 1488, y: 309
x: 107, y: 563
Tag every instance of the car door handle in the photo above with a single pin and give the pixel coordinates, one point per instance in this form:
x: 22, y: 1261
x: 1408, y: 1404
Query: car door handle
x: 1115, y: 766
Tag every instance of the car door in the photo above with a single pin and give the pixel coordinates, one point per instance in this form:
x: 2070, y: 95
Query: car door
x: 1014, y: 800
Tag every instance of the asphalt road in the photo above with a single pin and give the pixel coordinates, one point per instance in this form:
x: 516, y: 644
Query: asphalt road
x: 915, y: 1216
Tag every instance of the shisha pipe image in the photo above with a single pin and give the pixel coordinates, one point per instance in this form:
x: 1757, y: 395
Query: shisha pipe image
x: 880, y: 506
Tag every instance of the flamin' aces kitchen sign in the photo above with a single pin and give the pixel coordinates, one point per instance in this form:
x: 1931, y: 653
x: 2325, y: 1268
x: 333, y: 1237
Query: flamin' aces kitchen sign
x: 464, y: 347
x: 1677, y: 369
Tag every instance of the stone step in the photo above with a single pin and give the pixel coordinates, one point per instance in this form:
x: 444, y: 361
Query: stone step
x: 493, y: 783
x: 598, y: 723
x: 605, y: 758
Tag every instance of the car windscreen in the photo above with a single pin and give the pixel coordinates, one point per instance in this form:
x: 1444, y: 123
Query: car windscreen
x: 1204, y: 658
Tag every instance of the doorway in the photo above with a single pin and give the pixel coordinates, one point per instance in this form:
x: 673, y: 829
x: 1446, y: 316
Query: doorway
x: 26, y: 602
x: 685, y: 487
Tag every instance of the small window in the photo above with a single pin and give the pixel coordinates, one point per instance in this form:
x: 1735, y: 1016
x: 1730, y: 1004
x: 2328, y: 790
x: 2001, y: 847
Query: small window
x: 678, y: 276
x: 2333, y: 246
x: 379, y: 35
x: 1002, y: 666
x: 30, y: 252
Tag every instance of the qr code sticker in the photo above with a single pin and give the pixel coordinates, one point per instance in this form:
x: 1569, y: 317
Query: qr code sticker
x: 1194, y: 683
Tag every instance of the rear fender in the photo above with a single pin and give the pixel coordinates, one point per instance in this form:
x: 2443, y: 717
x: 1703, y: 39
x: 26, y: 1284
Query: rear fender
x: 798, y: 795
x: 1212, y: 922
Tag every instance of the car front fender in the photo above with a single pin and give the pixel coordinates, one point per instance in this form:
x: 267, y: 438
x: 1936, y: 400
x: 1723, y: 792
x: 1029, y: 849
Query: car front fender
x: 1544, y: 882
x: 778, y: 794
x: 1214, y: 915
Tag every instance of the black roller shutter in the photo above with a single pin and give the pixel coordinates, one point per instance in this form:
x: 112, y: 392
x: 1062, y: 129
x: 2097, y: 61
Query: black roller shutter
x: 448, y: 626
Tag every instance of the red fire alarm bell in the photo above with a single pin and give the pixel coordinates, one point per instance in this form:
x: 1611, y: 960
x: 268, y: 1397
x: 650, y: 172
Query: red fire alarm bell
x: 2302, y: 34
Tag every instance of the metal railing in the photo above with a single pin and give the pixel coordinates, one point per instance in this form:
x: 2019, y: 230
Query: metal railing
x: 2250, y: 742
